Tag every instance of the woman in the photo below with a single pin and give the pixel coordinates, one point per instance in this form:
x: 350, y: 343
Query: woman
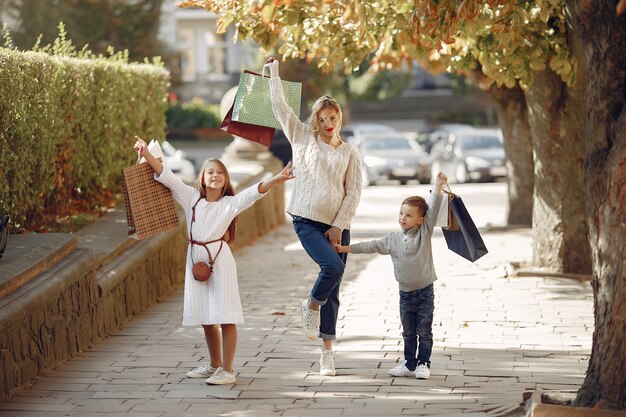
x: 326, y: 193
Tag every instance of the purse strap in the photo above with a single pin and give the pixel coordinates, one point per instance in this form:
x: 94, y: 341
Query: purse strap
x: 203, y: 244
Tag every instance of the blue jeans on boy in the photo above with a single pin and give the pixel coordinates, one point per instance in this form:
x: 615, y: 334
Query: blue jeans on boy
x: 416, y: 315
x: 325, y: 292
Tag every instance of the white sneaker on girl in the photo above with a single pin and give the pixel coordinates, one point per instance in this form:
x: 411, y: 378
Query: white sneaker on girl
x: 221, y: 377
x: 203, y: 371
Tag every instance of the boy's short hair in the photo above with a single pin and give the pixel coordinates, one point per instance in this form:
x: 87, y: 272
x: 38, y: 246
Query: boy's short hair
x: 417, y: 201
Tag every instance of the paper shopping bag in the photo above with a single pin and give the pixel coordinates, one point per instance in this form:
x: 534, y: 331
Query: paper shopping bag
x: 253, y: 104
x: 150, y: 207
x: 255, y: 133
x: 442, y: 216
x: 466, y: 241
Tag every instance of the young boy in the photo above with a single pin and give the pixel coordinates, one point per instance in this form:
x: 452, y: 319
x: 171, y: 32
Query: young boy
x: 411, y: 253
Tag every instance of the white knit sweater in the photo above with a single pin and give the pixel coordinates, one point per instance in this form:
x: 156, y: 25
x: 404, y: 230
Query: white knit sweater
x: 327, y: 187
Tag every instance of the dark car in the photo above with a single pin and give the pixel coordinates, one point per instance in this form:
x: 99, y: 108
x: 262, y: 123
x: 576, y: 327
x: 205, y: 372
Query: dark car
x: 281, y: 148
x: 470, y: 155
x: 392, y: 156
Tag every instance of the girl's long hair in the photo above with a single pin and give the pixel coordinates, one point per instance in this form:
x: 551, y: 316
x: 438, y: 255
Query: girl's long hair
x: 228, y: 189
x: 324, y: 102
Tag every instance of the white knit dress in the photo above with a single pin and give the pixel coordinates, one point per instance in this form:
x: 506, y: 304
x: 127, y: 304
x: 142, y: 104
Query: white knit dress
x: 217, y: 300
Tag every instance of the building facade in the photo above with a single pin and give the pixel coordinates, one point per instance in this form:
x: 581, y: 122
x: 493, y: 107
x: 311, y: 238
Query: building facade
x: 203, y: 63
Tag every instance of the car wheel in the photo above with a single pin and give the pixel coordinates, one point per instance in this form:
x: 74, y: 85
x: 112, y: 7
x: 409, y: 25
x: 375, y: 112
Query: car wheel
x: 460, y: 173
x: 403, y: 182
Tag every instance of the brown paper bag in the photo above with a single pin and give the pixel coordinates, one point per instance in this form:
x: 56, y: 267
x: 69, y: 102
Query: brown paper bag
x: 150, y: 207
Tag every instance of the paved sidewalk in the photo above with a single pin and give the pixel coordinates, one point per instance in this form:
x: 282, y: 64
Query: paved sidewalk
x: 495, y: 337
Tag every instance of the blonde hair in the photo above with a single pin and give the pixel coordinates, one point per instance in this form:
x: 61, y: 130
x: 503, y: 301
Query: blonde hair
x: 324, y: 102
x: 228, y: 189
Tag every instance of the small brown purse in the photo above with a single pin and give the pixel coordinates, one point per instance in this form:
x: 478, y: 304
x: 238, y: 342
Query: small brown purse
x: 201, y: 270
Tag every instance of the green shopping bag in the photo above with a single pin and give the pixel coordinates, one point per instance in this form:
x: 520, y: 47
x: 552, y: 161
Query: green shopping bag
x: 252, y: 102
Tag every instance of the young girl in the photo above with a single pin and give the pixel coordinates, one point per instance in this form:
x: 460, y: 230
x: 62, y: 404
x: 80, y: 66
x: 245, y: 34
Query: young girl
x: 324, y: 200
x: 211, y: 208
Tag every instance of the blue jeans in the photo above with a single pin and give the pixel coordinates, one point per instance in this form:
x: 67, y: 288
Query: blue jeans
x: 416, y: 315
x: 325, y: 291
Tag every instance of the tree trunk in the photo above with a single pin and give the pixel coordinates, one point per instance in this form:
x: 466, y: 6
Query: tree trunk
x: 513, y: 116
x: 556, y: 114
x: 603, y: 37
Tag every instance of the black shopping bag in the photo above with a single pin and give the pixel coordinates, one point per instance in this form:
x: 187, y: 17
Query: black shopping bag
x: 465, y: 241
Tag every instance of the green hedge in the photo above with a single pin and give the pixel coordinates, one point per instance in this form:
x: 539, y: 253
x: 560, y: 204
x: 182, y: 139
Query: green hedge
x: 67, y: 126
x: 195, y: 114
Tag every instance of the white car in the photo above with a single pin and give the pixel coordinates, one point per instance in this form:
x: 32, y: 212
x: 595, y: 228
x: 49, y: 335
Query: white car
x: 354, y: 132
x: 392, y: 156
x: 176, y: 161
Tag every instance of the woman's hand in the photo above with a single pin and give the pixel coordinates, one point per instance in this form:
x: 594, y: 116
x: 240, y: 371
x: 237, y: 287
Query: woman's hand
x: 272, y: 64
x: 140, y: 146
x: 334, y: 235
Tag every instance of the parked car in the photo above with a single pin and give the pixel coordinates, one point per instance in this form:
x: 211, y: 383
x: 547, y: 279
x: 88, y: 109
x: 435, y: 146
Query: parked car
x: 393, y: 156
x: 354, y: 132
x: 470, y: 155
x: 177, y: 161
x: 427, y: 139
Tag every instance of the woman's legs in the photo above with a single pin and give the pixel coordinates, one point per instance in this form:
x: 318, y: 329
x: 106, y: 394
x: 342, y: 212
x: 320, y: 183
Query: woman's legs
x: 229, y: 334
x: 317, y: 246
x: 214, y: 343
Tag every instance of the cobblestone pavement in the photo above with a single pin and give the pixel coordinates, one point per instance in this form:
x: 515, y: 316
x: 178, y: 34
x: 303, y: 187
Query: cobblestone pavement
x: 495, y: 337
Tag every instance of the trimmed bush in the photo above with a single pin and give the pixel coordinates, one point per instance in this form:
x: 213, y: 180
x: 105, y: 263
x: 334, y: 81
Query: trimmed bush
x: 67, y: 125
x: 195, y: 114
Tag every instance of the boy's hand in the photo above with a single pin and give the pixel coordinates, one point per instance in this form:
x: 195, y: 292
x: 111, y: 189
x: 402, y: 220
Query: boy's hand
x: 441, y: 180
x: 342, y: 249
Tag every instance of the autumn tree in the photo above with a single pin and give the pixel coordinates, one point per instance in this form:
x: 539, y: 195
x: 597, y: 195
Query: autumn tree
x: 554, y: 54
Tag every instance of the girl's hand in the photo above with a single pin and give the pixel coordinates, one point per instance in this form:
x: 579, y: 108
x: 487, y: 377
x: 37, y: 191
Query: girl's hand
x: 140, y: 146
x: 272, y: 64
x: 282, y: 176
x: 285, y: 175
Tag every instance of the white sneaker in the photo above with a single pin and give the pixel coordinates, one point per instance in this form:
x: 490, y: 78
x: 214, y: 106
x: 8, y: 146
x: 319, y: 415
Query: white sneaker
x: 422, y: 371
x: 310, y: 321
x: 401, y: 370
x: 327, y: 363
x: 221, y: 377
x: 203, y: 371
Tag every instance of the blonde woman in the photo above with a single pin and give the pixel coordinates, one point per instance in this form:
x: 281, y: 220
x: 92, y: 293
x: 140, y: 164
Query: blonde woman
x: 327, y: 189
